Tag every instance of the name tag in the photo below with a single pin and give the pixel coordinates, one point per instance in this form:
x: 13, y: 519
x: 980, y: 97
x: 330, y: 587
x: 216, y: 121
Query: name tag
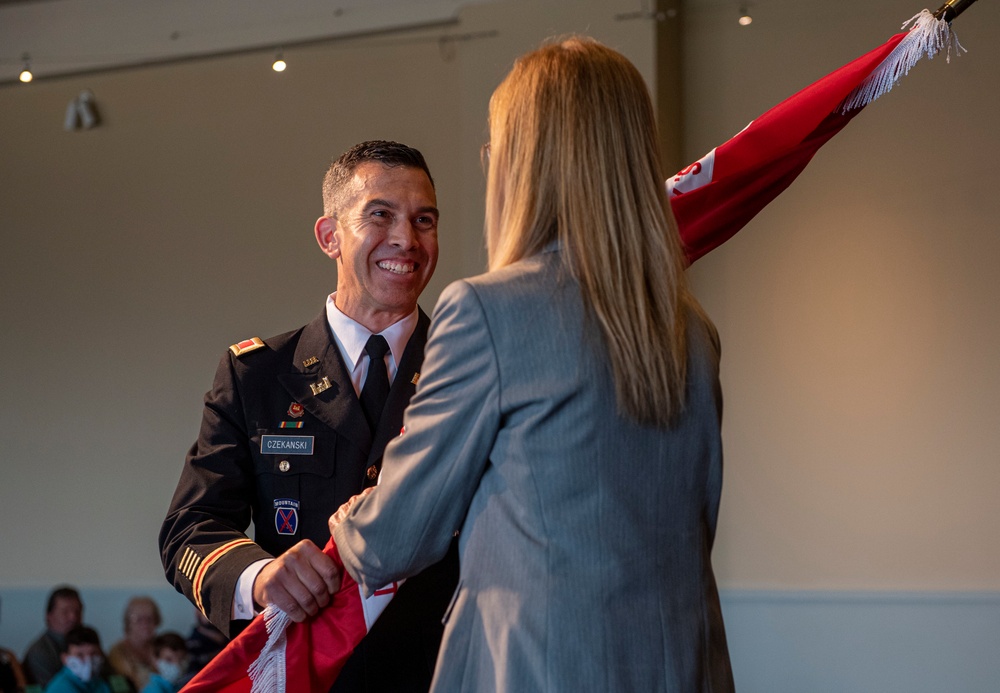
x: 286, y: 445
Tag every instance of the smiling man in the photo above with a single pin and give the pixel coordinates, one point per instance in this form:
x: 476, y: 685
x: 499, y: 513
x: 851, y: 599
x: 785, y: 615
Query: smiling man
x: 295, y: 425
x: 380, y: 225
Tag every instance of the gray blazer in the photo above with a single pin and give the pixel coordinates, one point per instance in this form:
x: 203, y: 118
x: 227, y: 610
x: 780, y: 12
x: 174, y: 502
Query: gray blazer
x: 585, y: 538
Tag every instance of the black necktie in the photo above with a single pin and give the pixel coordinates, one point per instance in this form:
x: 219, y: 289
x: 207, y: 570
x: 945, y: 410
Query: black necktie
x: 376, y: 388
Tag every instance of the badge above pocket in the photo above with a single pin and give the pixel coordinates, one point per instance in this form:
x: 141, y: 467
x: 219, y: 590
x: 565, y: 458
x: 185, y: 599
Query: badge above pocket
x: 284, y: 452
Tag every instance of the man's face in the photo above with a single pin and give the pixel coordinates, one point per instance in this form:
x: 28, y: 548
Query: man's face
x: 384, y: 239
x: 66, y: 615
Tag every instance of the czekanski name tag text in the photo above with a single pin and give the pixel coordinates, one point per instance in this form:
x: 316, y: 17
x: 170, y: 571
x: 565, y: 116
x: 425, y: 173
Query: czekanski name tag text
x: 286, y: 445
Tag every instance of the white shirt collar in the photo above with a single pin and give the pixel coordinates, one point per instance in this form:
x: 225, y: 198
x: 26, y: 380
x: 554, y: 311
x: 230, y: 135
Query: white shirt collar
x: 351, y: 335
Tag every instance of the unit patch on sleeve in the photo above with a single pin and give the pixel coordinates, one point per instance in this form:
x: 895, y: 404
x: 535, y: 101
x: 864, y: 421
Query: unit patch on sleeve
x: 286, y: 515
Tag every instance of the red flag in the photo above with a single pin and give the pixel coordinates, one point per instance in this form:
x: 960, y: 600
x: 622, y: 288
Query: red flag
x: 307, y: 656
x: 716, y: 196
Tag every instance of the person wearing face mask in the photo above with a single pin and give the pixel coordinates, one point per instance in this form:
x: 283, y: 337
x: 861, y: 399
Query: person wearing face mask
x: 170, y: 651
x: 82, y: 662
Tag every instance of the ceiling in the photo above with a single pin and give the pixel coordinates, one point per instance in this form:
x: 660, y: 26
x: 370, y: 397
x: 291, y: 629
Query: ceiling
x: 61, y: 37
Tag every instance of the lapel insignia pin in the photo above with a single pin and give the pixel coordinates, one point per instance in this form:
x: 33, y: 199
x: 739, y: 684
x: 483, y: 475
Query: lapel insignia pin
x: 311, y: 361
x: 415, y: 378
x: 320, y: 386
x: 295, y: 410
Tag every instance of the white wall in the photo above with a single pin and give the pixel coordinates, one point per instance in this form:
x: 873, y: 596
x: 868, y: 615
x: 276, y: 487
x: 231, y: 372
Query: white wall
x: 858, y: 315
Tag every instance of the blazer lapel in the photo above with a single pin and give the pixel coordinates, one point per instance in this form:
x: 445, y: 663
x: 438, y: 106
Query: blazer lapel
x: 321, y: 384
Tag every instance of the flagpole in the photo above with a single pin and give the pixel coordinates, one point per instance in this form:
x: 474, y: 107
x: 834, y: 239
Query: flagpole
x: 952, y: 9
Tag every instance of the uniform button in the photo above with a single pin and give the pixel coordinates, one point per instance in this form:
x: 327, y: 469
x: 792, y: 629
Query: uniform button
x: 284, y: 465
x: 372, y: 473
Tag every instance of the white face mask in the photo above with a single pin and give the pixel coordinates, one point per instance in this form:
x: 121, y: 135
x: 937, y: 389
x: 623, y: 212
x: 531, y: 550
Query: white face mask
x: 84, y: 668
x: 170, y: 671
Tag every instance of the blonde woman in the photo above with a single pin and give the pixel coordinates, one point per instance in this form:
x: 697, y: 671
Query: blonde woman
x: 567, y: 419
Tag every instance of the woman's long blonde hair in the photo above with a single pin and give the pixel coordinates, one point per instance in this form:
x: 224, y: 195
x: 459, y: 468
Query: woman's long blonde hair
x: 574, y: 157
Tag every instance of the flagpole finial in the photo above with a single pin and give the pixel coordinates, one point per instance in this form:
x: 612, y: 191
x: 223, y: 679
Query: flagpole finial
x: 952, y: 9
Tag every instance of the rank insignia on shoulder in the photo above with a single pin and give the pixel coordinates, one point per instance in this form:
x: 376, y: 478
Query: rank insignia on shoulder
x: 246, y: 346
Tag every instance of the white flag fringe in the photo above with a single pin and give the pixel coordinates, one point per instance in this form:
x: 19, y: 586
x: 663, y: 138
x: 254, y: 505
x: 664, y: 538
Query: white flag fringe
x: 928, y: 36
x: 267, y: 673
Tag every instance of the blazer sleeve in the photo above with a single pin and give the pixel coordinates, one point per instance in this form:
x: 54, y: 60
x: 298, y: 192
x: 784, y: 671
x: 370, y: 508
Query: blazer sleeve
x: 431, y: 472
x: 203, y: 544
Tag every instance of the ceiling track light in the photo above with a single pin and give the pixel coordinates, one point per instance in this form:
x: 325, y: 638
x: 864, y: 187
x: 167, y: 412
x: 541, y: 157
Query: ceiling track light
x: 26, y: 75
x: 279, y: 63
x: 745, y: 18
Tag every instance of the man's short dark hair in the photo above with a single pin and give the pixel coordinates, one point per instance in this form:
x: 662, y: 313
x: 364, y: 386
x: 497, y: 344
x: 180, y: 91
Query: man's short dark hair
x: 383, y: 151
x: 82, y: 635
x: 61, y: 592
x: 169, y: 641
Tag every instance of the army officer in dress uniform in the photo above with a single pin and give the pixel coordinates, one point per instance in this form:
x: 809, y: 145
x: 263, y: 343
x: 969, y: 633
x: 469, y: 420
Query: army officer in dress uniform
x: 291, y: 429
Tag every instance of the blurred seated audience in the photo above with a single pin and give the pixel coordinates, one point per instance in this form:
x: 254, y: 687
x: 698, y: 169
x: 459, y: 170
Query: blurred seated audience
x: 63, y: 612
x: 170, y: 652
x: 132, y: 656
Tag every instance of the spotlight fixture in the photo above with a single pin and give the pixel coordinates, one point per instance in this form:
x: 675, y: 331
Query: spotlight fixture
x: 279, y: 63
x: 745, y: 18
x: 26, y: 75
